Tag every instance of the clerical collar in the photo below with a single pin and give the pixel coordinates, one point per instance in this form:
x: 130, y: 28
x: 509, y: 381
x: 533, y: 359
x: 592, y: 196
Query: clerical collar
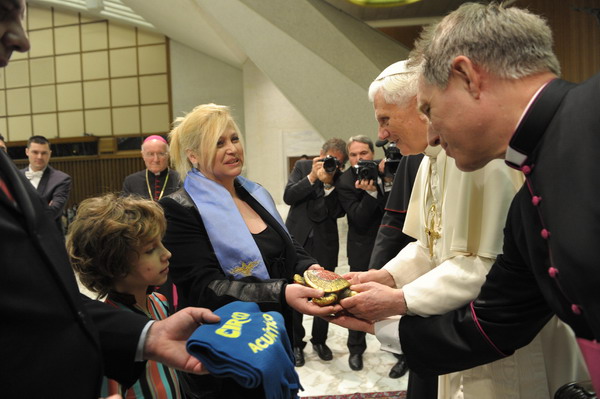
x: 535, y: 121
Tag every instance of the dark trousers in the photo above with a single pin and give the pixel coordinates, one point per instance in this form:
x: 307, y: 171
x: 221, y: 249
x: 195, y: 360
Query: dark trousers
x: 357, y: 342
x: 421, y: 387
x: 320, y: 328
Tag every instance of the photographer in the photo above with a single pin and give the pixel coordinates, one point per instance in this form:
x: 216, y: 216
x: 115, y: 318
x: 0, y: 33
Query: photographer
x: 361, y: 195
x: 312, y: 220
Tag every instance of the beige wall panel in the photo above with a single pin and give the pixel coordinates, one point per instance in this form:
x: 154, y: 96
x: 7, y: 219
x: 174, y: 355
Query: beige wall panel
x: 42, y: 71
x: 98, y: 122
x: 18, y: 101
x: 70, y: 124
x: 94, y: 36
x: 2, y: 104
x: 126, y: 120
x: 95, y: 65
x: 69, y: 96
x: 120, y: 35
x: 39, y: 18
x: 43, y: 99
x: 46, y: 125
x: 19, y: 128
x: 68, y: 68
x: 4, y: 128
x: 154, y: 89
x: 96, y: 94
x: 123, y: 62
x: 153, y: 59
x: 124, y: 91
x: 155, y: 118
x: 17, y: 74
x: 42, y: 43
x: 2, y: 74
x: 63, y: 18
x: 19, y: 56
x: 67, y: 40
x: 145, y: 37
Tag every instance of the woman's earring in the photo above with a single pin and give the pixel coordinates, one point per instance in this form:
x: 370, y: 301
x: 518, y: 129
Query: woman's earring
x: 195, y: 165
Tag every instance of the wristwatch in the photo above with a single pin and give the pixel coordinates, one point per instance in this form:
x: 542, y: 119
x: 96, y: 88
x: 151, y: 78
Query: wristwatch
x: 327, y: 186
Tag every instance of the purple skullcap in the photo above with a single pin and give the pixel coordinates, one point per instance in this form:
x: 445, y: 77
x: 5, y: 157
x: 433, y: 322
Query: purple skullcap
x: 155, y: 137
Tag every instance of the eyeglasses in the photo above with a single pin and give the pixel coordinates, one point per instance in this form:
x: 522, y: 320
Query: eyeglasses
x: 161, y: 155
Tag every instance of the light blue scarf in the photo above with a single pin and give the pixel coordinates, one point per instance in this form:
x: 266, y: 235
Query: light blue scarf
x: 234, y: 246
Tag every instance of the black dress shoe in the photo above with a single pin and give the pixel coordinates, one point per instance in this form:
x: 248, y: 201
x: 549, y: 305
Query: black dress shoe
x: 323, y: 351
x: 398, y: 369
x: 298, y: 356
x: 355, y: 362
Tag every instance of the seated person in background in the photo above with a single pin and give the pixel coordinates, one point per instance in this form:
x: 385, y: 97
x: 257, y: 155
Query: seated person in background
x: 115, y: 247
x: 228, y: 240
x: 51, y: 184
x: 157, y: 180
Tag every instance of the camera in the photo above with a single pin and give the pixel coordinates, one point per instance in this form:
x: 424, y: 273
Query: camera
x: 392, y: 157
x: 366, y: 170
x: 330, y: 163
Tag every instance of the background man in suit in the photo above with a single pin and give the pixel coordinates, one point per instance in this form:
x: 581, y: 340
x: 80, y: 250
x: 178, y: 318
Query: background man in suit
x: 51, y: 184
x: 56, y: 342
x: 362, y: 197
x: 312, y: 220
x: 157, y: 180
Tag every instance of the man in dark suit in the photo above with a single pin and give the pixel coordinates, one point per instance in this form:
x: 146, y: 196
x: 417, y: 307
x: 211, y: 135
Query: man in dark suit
x: 56, y: 342
x: 312, y: 220
x: 361, y: 195
x: 51, y: 184
x: 157, y: 180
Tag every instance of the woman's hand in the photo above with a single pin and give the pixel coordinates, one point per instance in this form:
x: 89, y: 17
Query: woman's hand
x: 297, y: 296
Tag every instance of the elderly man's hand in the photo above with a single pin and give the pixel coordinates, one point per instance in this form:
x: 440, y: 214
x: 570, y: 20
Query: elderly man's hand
x: 374, y: 301
x: 166, y: 339
x: 381, y: 276
x: 352, y: 323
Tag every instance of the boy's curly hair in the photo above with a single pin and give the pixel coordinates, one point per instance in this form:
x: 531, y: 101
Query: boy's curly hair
x: 106, y: 236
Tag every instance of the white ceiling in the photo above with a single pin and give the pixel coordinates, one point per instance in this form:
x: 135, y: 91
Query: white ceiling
x: 186, y: 22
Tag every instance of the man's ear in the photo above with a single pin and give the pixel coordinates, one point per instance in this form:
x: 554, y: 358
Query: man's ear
x: 463, y: 69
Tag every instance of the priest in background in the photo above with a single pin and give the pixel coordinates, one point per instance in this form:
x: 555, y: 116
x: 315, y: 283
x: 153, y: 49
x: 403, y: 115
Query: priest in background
x: 157, y: 180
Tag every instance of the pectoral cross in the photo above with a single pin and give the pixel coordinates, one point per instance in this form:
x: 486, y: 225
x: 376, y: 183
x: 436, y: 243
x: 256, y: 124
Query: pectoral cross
x: 430, y: 230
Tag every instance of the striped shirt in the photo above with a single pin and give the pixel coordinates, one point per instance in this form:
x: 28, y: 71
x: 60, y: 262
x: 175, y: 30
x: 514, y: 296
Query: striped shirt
x: 158, y: 381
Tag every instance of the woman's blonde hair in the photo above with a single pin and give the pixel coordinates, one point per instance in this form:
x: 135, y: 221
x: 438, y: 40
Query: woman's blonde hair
x: 107, y: 235
x: 198, y: 133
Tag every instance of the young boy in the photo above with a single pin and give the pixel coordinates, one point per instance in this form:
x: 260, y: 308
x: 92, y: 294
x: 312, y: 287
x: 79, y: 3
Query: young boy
x: 115, y: 247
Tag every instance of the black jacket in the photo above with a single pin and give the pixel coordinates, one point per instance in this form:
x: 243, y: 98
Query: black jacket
x: 56, y: 341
